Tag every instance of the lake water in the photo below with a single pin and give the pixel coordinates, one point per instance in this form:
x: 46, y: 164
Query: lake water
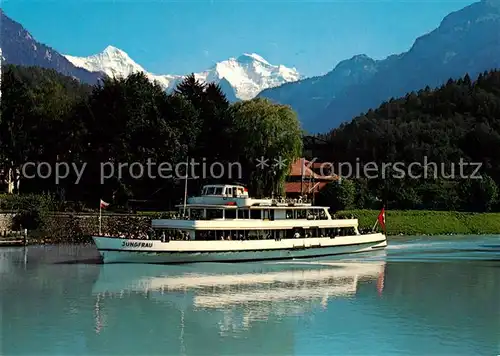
x: 422, y: 296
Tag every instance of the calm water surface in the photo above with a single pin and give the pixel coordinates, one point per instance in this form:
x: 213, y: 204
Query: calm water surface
x: 422, y: 296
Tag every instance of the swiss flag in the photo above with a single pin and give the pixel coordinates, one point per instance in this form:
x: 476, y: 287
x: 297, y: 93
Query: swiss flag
x: 104, y: 205
x: 381, y: 218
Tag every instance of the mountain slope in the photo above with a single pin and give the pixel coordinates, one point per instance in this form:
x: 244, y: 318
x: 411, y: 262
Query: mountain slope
x: 246, y: 75
x: 19, y: 47
x: 467, y: 41
x: 312, y: 95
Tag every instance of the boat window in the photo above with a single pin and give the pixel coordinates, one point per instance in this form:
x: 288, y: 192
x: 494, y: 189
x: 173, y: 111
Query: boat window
x: 204, y: 235
x: 255, y: 214
x: 301, y: 214
x: 229, y: 191
x: 218, y: 191
x: 214, y: 213
x: 289, y: 214
x: 230, y: 213
x: 210, y: 191
x: 312, y: 214
x: 172, y: 234
x: 314, y: 232
x: 243, y: 214
x: 196, y: 214
x: 268, y: 214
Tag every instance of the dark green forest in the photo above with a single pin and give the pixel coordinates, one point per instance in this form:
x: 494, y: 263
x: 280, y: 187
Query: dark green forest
x: 46, y: 117
x: 457, y: 121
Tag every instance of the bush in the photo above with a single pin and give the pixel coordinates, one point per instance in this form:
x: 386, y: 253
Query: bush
x: 30, y: 209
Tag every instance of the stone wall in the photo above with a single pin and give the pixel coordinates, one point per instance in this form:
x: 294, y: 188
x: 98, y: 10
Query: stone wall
x: 80, y: 227
x: 74, y: 227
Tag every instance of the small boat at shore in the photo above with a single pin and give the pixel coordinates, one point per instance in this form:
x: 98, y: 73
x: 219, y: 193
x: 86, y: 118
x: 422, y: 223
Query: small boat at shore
x: 224, y: 224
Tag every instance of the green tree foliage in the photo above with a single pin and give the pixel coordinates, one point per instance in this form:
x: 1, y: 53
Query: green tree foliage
x: 126, y: 122
x: 266, y: 130
x: 211, y: 129
x: 457, y: 121
x: 340, y: 195
x: 35, y: 108
x: 479, y: 194
x: 51, y: 118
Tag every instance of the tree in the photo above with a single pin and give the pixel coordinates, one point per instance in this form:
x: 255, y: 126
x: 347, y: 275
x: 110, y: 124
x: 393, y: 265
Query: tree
x: 479, y: 194
x: 36, y: 104
x: 131, y: 120
x: 271, y: 131
x: 457, y: 122
x: 192, y: 89
x: 338, y: 195
x: 18, y: 121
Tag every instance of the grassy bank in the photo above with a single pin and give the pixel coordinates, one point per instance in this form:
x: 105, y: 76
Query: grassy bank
x: 426, y: 222
x: 78, y: 227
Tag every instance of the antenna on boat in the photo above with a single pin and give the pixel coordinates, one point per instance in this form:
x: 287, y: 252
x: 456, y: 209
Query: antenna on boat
x: 185, y: 187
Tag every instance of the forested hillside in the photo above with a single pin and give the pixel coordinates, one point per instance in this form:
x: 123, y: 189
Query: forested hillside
x: 458, y: 121
x: 46, y: 117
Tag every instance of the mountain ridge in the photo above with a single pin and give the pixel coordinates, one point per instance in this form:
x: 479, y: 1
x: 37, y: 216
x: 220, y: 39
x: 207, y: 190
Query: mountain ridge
x: 247, y: 74
x: 19, y: 47
x: 466, y: 41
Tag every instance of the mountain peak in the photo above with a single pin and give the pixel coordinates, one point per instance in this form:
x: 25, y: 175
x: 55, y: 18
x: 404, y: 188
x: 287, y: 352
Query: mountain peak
x: 248, y: 57
x: 114, y: 51
x: 243, y: 75
x: 361, y: 57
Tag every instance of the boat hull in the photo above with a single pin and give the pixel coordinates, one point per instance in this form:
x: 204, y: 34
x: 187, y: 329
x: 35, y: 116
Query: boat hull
x: 117, y: 250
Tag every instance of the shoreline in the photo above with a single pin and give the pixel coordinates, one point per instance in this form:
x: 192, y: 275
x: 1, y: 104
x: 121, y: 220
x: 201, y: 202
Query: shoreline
x: 399, y: 223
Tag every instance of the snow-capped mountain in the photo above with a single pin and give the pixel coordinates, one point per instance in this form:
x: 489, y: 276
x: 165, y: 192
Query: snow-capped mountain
x: 116, y: 63
x: 248, y: 74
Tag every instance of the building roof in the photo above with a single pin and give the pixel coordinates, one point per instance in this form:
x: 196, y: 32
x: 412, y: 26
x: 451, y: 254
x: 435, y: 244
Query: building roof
x: 301, y: 168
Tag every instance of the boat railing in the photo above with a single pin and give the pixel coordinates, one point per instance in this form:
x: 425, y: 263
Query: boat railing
x: 290, y: 201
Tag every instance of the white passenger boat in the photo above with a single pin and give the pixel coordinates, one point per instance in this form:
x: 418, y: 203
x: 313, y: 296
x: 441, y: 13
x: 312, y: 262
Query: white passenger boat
x: 224, y: 224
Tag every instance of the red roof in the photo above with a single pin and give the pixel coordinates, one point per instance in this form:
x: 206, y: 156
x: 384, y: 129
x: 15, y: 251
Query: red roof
x: 307, y: 187
x: 299, y: 169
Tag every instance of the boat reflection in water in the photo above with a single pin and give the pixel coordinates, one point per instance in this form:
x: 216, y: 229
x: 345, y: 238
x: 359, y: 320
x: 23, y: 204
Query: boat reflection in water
x: 257, y: 290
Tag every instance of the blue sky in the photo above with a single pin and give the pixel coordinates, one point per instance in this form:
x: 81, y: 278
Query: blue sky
x: 177, y: 37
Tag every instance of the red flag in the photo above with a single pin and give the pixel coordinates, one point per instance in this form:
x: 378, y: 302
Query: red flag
x: 104, y: 205
x: 380, y: 282
x: 381, y: 218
